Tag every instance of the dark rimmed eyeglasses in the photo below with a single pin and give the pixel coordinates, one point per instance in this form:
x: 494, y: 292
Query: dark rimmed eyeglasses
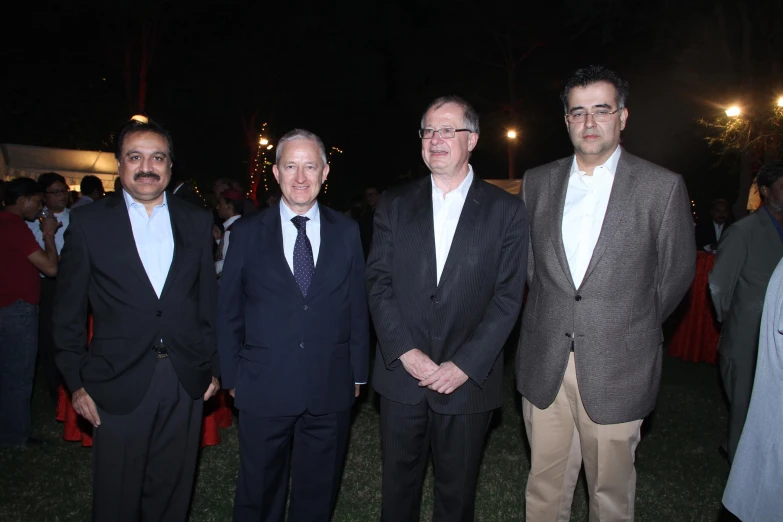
x: 444, y: 133
x: 601, y: 115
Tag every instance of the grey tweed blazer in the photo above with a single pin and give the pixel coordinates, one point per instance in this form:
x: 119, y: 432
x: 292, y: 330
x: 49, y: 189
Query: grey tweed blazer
x: 642, y: 265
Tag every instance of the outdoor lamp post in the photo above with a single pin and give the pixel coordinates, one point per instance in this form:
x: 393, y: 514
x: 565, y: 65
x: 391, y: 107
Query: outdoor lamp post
x: 512, y: 136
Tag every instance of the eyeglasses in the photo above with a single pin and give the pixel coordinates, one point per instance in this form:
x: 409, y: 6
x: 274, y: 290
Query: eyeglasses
x: 600, y: 115
x: 56, y: 192
x: 444, y: 133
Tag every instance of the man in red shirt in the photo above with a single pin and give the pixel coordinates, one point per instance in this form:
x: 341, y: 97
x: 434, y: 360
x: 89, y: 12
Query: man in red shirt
x: 21, y: 259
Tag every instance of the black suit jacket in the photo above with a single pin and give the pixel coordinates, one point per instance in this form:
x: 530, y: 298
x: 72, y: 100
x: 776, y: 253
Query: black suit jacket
x: 100, y: 265
x: 282, y: 352
x: 705, y: 234
x: 467, y: 317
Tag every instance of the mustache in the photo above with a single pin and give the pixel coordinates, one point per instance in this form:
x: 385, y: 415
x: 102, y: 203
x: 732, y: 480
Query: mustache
x: 149, y: 175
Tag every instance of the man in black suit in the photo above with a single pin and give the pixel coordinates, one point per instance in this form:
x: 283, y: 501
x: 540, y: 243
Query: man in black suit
x: 143, y: 261
x: 445, y: 279
x: 293, y: 337
x: 709, y: 233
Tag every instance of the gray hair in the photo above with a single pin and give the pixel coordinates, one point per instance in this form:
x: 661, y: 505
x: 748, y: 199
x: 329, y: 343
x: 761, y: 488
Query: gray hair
x: 470, y: 120
x: 300, y: 134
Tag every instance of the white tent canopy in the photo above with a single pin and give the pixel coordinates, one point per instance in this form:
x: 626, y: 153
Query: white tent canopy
x: 27, y: 161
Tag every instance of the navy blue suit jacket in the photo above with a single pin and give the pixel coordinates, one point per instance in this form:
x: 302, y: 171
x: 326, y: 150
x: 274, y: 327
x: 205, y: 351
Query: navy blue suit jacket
x: 282, y: 352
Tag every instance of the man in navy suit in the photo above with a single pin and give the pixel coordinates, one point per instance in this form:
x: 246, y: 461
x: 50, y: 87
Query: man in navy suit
x: 293, y: 335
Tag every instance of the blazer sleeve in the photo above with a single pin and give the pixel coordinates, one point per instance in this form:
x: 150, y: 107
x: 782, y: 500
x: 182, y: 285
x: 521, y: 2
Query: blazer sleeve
x: 69, y: 314
x: 360, y: 321
x: 729, y: 260
x: 230, y: 326
x: 676, y: 255
x: 208, y: 290
x: 477, y: 356
x: 394, y: 338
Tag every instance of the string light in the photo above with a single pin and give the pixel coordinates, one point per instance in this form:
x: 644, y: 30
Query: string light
x: 259, y: 162
x: 332, y: 150
x: 198, y: 193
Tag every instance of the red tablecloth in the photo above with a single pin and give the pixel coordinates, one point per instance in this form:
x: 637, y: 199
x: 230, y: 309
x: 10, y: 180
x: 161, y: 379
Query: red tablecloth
x: 696, y: 337
x: 217, y: 414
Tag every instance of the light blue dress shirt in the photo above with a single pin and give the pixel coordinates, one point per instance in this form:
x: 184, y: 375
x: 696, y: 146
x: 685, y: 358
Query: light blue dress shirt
x: 154, y: 239
x: 313, y: 229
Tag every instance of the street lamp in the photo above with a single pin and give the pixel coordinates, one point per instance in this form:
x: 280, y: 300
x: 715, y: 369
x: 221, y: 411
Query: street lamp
x: 733, y: 111
x: 512, y: 136
x: 780, y: 101
x: 140, y: 118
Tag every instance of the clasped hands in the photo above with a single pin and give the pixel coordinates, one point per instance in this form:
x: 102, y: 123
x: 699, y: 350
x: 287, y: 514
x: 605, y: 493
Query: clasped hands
x: 443, y: 379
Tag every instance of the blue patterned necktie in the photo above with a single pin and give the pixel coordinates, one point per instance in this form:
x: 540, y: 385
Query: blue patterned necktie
x: 303, y: 255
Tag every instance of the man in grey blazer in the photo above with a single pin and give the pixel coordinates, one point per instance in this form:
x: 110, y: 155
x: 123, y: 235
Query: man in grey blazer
x: 747, y: 255
x: 611, y: 255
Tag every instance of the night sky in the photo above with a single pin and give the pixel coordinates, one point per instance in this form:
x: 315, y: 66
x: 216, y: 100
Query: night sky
x: 360, y: 75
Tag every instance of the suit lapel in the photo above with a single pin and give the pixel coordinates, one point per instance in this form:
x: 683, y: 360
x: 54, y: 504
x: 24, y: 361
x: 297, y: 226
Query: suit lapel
x: 617, y: 209
x: 179, y: 231
x: 770, y: 233
x: 464, y: 232
x: 422, y: 229
x: 326, y: 251
x: 558, y: 186
x: 274, y: 232
x: 126, y: 242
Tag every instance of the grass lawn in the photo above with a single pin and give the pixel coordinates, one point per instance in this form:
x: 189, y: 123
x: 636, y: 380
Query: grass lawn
x: 680, y: 473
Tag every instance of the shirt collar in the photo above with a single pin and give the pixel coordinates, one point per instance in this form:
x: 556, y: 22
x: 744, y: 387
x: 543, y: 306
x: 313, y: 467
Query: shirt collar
x: 610, y: 165
x: 88, y: 199
x: 286, y: 214
x: 230, y: 221
x: 130, y: 202
x: 462, y: 189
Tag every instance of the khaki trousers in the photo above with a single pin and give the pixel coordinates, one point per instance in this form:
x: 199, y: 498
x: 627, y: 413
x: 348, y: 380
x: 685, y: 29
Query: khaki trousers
x: 563, y: 436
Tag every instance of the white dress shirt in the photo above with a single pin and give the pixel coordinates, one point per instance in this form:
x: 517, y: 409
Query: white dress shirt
x: 312, y: 227
x: 718, y: 230
x: 154, y: 239
x: 583, y: 215
x: 224, y: 242
x: 63, y: 217
x: 446, y: 210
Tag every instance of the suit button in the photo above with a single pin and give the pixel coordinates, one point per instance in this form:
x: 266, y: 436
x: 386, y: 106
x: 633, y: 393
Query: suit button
x: 159, y: 313
x: 578, y: 298
x: 304, y: 307
x: 301, y: 345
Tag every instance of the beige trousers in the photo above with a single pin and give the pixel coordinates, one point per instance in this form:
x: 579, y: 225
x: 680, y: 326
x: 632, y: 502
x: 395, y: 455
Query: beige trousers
x: 561, y: 437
